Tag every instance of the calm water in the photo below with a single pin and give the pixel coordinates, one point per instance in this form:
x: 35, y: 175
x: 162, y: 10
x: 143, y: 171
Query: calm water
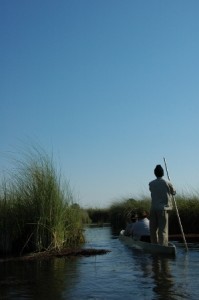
x: 124, y: 273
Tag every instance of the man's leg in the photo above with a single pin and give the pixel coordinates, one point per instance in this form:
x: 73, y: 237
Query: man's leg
x: 153, y: 227
x: 163, y: 228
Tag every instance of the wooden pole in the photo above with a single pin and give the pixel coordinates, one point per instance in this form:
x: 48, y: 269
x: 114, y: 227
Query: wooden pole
x: 176, y: 208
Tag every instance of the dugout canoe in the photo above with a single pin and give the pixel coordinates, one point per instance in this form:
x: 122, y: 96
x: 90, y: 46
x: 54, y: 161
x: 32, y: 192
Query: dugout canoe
x: 148, y: 247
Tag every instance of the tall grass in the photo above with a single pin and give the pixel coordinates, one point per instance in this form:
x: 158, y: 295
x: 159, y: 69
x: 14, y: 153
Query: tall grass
x: 121, y: 210
x: 188, y: 208
x: 36, y: 211
x: 98, y: 215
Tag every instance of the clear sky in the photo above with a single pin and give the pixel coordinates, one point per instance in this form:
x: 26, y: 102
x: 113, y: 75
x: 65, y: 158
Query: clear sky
x: 109, y: 86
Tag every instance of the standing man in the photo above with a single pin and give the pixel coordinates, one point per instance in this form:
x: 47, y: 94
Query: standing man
x: 161, y: 204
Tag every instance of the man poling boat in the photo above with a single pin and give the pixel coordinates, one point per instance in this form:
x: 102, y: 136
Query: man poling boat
x: 162, y: 196
x: 161, y: 204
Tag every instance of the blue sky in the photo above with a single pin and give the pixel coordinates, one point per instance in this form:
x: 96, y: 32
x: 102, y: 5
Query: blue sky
x: 110, y: 87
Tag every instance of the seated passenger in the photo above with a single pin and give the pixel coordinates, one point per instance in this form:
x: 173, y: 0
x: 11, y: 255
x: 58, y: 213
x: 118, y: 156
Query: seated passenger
x: 141, y: 228
x: 129, y: 227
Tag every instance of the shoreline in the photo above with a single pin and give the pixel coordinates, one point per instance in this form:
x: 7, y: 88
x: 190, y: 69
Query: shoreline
x: 78, y: 252
x: 190, y: 237
x: 67, y: 252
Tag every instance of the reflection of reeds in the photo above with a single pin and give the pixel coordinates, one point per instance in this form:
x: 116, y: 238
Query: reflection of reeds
x: 36, y: 212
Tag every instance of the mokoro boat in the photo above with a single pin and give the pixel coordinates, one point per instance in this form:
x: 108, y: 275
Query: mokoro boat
x: 148, y: 247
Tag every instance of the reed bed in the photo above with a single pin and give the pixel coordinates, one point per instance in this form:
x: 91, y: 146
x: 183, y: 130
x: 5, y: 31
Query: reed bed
x: 120, y: 211
x: 37, y: 210
x: 99, y: 215
x: 188, y: 208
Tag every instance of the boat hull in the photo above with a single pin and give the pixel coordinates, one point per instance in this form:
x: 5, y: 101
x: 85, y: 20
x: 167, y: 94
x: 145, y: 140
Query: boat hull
x: 152, y: 248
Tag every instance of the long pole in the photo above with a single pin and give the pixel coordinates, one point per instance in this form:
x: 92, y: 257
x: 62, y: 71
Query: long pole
x: 176, y: 208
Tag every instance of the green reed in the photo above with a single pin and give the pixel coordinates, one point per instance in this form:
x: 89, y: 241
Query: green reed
x: 36, y: 209
x: 98, y: 215
x: 188, y: 208
x: 121, y: 210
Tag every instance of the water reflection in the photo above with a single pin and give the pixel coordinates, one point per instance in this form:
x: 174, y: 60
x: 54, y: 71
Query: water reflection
x: 123, y: 273
x: 162, y: 278
x: 36, y: 279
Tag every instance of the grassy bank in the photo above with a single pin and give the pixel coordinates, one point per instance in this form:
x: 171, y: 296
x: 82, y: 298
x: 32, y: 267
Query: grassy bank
x: 37, y: 210
x: 118, y: 212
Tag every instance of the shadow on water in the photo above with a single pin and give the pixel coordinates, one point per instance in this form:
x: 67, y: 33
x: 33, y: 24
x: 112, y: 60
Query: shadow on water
x: 163, y: 280
x: 123, y: 273
x: 165, y: 277
x: 44, y: 279
x: 154, y: 276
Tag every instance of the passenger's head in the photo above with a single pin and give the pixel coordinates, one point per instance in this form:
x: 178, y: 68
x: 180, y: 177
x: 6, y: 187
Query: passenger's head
x: 134, y: 218
x: 142, y: 214
x: 158, y: 171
